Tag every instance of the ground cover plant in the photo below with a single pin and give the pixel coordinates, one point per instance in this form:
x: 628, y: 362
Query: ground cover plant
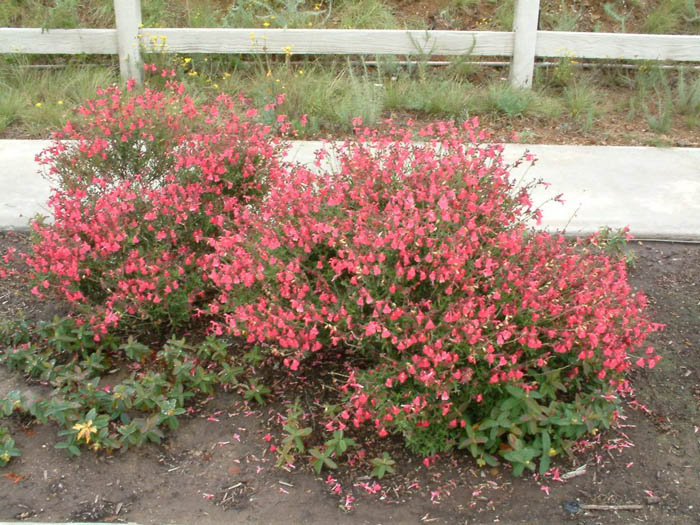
x: 398, y: 281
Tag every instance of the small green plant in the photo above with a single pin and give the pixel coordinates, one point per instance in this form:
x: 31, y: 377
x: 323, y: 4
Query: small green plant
x: 129, y: 413
x: 687, y: 101
x: 256, y: 391
x: 504, y: 14
x: 561, y: 18
x: 7, y: 447
x: 335, y: 447
x: 8, y: 405
x: 615, y: 242
x: 583, y: 103
x: 508, y: 101
x: 691, y: 15
x: 666, y: 18
x: 295, y: 437
x: 286, y: 14
x: 382, y: 465
x: 609, y: 9
x: 563, y: 72
x: 322, y: 458
x: 364, y: 14
x: 653, y: 97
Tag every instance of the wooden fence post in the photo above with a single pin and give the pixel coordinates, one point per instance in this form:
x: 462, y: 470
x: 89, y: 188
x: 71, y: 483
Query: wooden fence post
x: 522, y: 65
x: 128, y: 17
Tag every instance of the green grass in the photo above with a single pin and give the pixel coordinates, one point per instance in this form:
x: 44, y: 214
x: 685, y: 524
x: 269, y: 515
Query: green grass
x: 616, y: 13
x: 688, y: 98
x: 563, y: 18
x: 666, y: 18
x: 37, y: 101
x: 503, y: 16
x: 444, y: 99
x: 363, y: 14
x: 583, y: 102
x: 63, y: 14
x: 331, y: 92
x: 661, y: 96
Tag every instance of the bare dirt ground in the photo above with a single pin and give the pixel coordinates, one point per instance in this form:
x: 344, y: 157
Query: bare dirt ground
x: 218, y: 466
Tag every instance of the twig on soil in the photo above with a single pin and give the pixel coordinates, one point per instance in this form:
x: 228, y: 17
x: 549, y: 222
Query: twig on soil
x: 580, y: 471
x: 611, y: 507
x: 574, y: 507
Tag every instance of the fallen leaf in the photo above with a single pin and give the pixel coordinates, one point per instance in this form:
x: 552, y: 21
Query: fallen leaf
x: 16, y: 478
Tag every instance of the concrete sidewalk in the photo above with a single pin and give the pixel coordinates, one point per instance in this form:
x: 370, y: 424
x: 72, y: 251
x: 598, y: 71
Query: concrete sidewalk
x: 654, y: 191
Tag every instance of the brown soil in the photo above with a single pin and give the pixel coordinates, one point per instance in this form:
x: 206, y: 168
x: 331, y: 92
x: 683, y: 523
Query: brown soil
x: 218, y: 468
x: 590, y: 14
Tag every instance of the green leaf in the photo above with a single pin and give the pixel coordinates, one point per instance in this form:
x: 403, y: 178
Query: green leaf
x: 491, y: 460
x: 544, y: 462
x: 516, y: 392
x: 518, y: 469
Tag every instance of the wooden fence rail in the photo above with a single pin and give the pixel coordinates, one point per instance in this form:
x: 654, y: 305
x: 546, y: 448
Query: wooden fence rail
x: 129, y: 40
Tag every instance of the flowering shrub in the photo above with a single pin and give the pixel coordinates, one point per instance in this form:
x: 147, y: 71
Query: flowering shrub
x: 414, y: 258
x: 141, y: 182
x: 462, y: 326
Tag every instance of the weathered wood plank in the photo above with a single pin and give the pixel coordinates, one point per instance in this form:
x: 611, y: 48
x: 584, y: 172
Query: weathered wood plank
x: 128, y: 17
x: 329, y: 41
x: 58, y: 41
x: 618, y: 46
x: 522, y: 65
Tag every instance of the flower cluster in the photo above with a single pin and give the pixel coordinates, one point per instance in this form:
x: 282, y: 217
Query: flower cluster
x: 416, y: 256
x: 142, y: 180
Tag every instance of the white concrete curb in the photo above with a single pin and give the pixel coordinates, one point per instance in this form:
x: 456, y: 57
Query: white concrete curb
x: 654, y: 191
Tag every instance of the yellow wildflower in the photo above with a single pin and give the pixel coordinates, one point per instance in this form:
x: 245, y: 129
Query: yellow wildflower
x: 187, y: 60
x: 85, y: 430
x: 60, y: 102
x: 287, y: 50
x: 38, y: 104
x: 192, y: 73
x: 266, y: 24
